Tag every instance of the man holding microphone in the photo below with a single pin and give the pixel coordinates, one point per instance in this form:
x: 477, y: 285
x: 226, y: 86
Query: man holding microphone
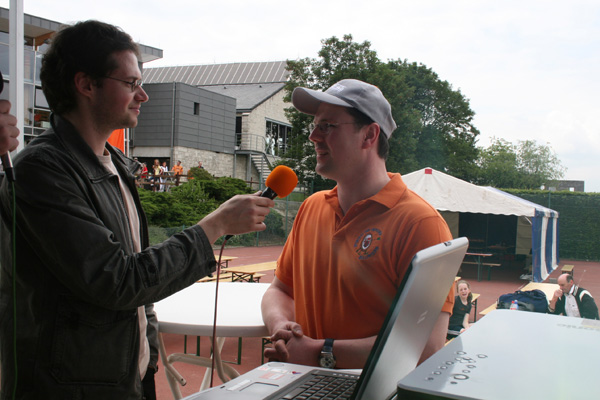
x: 76, y: 307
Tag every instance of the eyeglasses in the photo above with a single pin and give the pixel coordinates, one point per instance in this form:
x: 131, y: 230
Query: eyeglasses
x: 326, y: 127
x: 134, y: 84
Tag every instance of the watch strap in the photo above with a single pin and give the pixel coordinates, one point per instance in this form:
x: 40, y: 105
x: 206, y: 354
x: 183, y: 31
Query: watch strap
x: 328, y: 346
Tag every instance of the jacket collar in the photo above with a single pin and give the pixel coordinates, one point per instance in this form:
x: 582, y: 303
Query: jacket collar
x: 83, y: 154
x: 573, y: 290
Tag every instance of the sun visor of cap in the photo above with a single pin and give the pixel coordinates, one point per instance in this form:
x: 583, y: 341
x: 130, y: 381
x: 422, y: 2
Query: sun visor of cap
x: 308, y: 100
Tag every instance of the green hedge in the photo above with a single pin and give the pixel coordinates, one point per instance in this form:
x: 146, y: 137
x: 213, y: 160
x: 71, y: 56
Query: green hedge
x: 578, y: 222
x: 184, y: 205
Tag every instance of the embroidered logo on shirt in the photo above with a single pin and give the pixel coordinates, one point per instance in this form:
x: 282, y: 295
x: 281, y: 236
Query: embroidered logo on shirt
x: 366, y: 244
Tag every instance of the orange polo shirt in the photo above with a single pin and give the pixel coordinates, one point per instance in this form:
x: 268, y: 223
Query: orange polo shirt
x: 345, y: 269
x: 177, y: 170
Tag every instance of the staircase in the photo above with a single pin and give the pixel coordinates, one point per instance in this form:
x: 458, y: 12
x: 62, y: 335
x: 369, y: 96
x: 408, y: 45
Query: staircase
x: 262, y: 165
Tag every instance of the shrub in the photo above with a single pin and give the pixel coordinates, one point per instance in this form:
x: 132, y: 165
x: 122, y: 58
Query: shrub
x: 199, y: 173
x: 222, y: 189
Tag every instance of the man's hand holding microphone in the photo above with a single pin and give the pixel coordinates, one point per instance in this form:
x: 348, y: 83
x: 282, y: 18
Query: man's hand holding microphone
x: 247, y: 213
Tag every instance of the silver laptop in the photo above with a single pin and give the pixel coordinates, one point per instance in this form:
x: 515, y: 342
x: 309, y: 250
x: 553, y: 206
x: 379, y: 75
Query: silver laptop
x: 396, y: 351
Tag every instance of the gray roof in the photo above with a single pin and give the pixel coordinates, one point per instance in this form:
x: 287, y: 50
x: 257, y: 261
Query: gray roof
x: 220, y: 74
x: 248, y: 97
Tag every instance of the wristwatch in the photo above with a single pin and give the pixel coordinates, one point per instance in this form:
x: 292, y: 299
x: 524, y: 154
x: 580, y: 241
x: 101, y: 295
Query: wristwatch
x: 327, y: 359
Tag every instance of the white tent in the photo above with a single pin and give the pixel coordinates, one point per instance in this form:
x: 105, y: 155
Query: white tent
x: 537, y: 226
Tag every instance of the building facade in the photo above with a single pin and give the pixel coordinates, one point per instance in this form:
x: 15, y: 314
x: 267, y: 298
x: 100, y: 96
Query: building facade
x: 229, y: 116
x: 260, y: 127
x: 38, y: 32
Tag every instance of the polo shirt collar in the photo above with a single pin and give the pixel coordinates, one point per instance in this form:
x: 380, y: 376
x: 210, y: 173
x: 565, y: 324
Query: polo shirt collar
x: 388, y: 196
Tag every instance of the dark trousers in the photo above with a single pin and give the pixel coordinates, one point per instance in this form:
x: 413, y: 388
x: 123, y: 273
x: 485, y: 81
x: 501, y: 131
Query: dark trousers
x: 148, y: 385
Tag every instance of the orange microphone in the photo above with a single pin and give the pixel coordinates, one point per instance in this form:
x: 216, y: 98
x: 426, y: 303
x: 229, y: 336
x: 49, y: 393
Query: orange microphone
x: 280, y: 182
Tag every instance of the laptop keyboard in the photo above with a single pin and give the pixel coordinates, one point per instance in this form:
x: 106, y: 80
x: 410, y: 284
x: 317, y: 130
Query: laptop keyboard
x: 326, y: 385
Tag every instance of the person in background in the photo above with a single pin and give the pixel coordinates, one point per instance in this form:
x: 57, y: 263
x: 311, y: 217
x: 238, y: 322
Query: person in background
x: 572, y: 300
x: 156, y: 172
x: 459, y: 320
x: 200, y: 165
x: 349, y: 247
x: 77, y: 314
x: 177, y: 171
x: 164, y: 171
x: 144, y: 175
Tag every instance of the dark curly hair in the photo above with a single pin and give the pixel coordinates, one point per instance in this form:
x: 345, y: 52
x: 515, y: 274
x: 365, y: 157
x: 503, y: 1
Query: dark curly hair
x: 86, y: 47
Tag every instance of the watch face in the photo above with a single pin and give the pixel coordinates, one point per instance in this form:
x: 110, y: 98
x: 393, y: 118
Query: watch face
x: 327, y: 361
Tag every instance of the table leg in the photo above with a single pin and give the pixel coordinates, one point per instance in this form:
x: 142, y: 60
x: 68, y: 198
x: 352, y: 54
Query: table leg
x: 174, y: 378
x: 224, y: 371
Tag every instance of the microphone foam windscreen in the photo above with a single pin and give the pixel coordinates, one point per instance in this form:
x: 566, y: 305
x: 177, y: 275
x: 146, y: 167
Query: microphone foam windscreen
x: 282, y: 180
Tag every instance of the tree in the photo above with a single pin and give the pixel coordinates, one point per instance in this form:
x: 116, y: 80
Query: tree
x: 441, y: 121
x: 525, y: 165
x: 434, y: 121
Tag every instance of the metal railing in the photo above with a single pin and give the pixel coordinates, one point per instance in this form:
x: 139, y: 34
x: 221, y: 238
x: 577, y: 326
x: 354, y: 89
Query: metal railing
x: 257, y: 143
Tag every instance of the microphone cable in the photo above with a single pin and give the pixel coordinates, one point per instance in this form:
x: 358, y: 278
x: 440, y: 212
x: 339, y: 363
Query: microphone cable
x: 14, y: 281
x: 214, y: 332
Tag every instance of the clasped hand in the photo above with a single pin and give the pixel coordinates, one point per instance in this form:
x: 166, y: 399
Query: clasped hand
x: 289, y: 344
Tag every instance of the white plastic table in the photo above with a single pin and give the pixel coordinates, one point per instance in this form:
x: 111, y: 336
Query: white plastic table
x: 191, y: 312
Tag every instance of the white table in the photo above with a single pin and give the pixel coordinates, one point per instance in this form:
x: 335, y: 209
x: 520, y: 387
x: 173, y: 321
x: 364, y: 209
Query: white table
x: 191, y: 312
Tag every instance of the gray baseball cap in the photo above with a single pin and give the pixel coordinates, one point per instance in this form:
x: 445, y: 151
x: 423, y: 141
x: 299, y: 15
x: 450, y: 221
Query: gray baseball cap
x: 348, y: 93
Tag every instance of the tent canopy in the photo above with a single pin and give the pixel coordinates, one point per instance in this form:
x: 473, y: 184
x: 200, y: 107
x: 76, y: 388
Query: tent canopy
x: 452, y: 196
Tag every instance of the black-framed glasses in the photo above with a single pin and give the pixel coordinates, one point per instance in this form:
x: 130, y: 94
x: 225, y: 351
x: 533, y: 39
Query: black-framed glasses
x: 134, y: 84
x: 326, y: 127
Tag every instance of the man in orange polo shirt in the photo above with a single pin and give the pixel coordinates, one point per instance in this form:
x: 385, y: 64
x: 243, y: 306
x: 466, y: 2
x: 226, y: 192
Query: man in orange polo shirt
x: 351, y: 246
x: 177, y: 171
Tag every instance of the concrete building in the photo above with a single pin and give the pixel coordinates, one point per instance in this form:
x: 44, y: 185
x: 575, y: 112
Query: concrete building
x: 37, y: 32
x: 190, y: 124
x: 244, y: 144
x: 229, y: 116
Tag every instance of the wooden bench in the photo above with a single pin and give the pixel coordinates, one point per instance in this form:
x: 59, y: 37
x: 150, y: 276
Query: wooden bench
x: 474, y: 302
x: 233, y: 277
x: 226, y: 277
x: 568, y: 269
x: 246, y: 277
x: 264, y: 266
x: 225, y: 260
x: 488, y: 309
x: 484, y: 264
x: 251, y: 271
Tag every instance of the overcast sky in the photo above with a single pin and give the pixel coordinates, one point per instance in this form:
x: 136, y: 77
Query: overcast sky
x: 529, y: 68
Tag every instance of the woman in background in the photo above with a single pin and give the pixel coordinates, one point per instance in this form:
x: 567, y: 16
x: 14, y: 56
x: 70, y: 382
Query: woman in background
x: 459, y: 320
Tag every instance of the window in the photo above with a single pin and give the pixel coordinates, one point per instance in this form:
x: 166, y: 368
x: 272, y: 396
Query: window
x: 238, y: 132
x: 238, y: 124
x: 276, y: 138
x: 196, y: 108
